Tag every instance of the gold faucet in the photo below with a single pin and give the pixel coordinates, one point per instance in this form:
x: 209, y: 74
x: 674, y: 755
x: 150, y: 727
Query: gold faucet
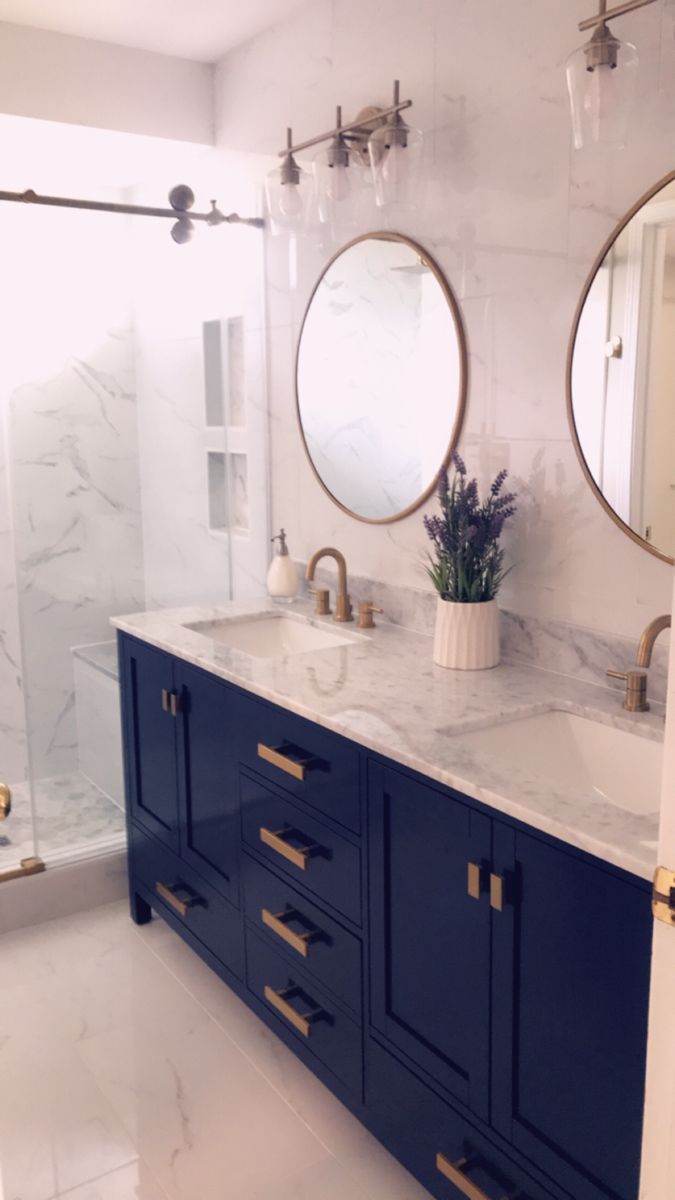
x: 657, y: 626
x: 635, y: 699
x: 343, y: 606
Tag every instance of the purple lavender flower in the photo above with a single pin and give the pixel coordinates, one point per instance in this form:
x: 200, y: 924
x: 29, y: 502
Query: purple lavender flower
x: 467, y: 563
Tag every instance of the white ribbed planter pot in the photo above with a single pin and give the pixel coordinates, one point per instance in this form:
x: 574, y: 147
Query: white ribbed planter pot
x: 467, y: 635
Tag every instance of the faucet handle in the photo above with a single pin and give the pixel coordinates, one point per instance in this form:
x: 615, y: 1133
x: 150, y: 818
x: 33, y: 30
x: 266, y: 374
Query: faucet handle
x: 635, y: 699
x: 366, y: 610
x: 321, y: 601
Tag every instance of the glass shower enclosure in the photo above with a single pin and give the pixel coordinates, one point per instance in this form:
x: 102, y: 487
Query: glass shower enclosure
x: 132, y: 475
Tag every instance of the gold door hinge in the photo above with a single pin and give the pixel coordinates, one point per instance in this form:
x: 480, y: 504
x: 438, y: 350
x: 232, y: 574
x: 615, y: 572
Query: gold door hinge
x: 663, y: 895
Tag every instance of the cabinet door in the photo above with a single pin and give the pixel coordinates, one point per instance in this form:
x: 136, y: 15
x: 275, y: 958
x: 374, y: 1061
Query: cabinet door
x: 429, y: 939
x: 207, y: 747
x: 150, y: 740
x: 571, y: 981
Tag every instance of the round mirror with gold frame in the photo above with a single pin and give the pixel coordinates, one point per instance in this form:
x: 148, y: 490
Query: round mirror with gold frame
x: 381, y: 377
x: 621, y: 373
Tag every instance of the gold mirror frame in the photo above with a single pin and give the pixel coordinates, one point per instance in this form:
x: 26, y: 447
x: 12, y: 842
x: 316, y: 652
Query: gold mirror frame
x: 635, y: 537
x: 385, y: 235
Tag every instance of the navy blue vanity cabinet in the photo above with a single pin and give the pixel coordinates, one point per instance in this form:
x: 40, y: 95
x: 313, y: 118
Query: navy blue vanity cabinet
x: 147, y: 681
x: 182, y: 799
x: 572, y: 951
x: 208, y: 778
x: 429, y: 938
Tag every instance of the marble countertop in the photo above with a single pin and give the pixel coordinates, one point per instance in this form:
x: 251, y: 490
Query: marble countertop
x: 384, y: 692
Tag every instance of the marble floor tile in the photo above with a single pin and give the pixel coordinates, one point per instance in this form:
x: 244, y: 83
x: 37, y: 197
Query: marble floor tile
x: 133, y: 1182
x: 128, y: 1070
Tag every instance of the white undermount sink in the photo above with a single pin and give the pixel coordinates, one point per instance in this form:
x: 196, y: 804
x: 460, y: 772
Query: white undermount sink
x: 579, y: 755
x: 274, y: 635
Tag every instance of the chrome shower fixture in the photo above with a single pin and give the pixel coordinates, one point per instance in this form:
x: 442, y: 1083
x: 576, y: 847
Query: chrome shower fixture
x: 601, y: 78
x: 181, y: 199
x: 376, y: 137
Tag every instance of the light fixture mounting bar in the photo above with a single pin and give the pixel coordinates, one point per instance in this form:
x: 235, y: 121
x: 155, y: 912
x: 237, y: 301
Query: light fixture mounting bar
x: 344, y: 129
x: 606, y: 14
x: 135, y: 210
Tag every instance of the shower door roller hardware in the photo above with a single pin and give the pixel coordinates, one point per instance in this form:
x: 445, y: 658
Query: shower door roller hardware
x: 5, y: 801
x: 663, y: 895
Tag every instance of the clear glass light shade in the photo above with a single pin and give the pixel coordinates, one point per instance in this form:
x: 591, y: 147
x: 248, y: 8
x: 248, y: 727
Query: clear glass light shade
x: 602, y: 99
x: 333, y: 185
x: 396, y: 153
x: 285, y: 200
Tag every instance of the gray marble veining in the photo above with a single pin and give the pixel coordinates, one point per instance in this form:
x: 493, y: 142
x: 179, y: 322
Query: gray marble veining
x: 386, y: 694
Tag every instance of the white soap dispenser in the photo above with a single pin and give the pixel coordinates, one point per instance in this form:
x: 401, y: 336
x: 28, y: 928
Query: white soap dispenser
x: 282, y: 577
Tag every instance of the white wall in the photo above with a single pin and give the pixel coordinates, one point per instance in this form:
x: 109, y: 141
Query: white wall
x: 514, y: 217
x: 82, y: 82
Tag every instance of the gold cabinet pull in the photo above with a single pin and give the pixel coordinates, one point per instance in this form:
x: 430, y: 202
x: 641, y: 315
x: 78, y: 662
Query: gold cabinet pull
x: 275, y: 839
x: 165, y: 700
x: 279, y: 1000
x: 274, y: 756
x: 277, y: 922
x: 182, y: 907
x: 473, y: 880
x: 5, y: 801
x: 174, y: 703
x: 455, y: 1172
x: 497, y: 893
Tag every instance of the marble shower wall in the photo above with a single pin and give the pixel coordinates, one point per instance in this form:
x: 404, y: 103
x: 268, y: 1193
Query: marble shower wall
x: 202, y: 547
x: 72, y: 451
x: 515, y: 218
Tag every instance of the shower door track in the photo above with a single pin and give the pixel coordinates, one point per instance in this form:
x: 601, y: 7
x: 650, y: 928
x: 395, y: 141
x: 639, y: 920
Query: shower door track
x: 27, y: 866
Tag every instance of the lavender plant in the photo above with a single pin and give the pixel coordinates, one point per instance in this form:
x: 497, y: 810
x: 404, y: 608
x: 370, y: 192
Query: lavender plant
x: 467, y: 562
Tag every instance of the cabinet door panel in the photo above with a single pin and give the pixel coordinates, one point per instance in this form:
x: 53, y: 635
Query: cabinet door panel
x: 150, y: 741
x: 570, y: 1032
x: 207, y: 747
x: 430, y: 941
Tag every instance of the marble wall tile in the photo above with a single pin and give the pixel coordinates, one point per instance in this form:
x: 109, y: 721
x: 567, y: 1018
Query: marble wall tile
x: 515, y: 218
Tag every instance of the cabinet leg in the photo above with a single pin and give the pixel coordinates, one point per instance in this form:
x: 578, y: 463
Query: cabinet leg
x: 141, y: 911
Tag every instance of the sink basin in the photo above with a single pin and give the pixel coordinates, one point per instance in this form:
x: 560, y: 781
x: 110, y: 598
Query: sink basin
x: 273, y: 635
x: 577, y: 754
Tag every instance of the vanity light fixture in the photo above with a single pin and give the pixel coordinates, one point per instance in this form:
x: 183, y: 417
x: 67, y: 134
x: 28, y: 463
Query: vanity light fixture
x: 378, y: 137
x: 286, y: 190
x: 602, y: 78
x: 181, y: 199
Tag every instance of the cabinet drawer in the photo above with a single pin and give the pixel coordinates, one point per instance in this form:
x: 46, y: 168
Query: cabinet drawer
x: 318, y: 766
x: 171, y: 886
x: 306, y: 934
x: 312, y: 855
x: 304, y: 1011
x: 434, y: 1142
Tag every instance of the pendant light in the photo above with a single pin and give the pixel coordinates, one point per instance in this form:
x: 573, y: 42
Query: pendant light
x: 331, y: 170
x: 395, y: 152
x: 602, y: 80
x: 286, y: 189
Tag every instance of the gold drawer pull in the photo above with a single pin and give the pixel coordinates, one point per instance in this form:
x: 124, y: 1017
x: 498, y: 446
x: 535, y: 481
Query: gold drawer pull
x: 165, y: 700
x: 277, y: 923
x: 473, y: 881
x: 182, y: 907
x: 275, y: 840
x: 497, y: 893
x: 456, y: 1173
x: 300, y: 1021
x: 297, y: 769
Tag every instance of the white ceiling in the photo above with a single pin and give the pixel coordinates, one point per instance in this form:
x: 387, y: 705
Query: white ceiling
x: 198, y: 29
